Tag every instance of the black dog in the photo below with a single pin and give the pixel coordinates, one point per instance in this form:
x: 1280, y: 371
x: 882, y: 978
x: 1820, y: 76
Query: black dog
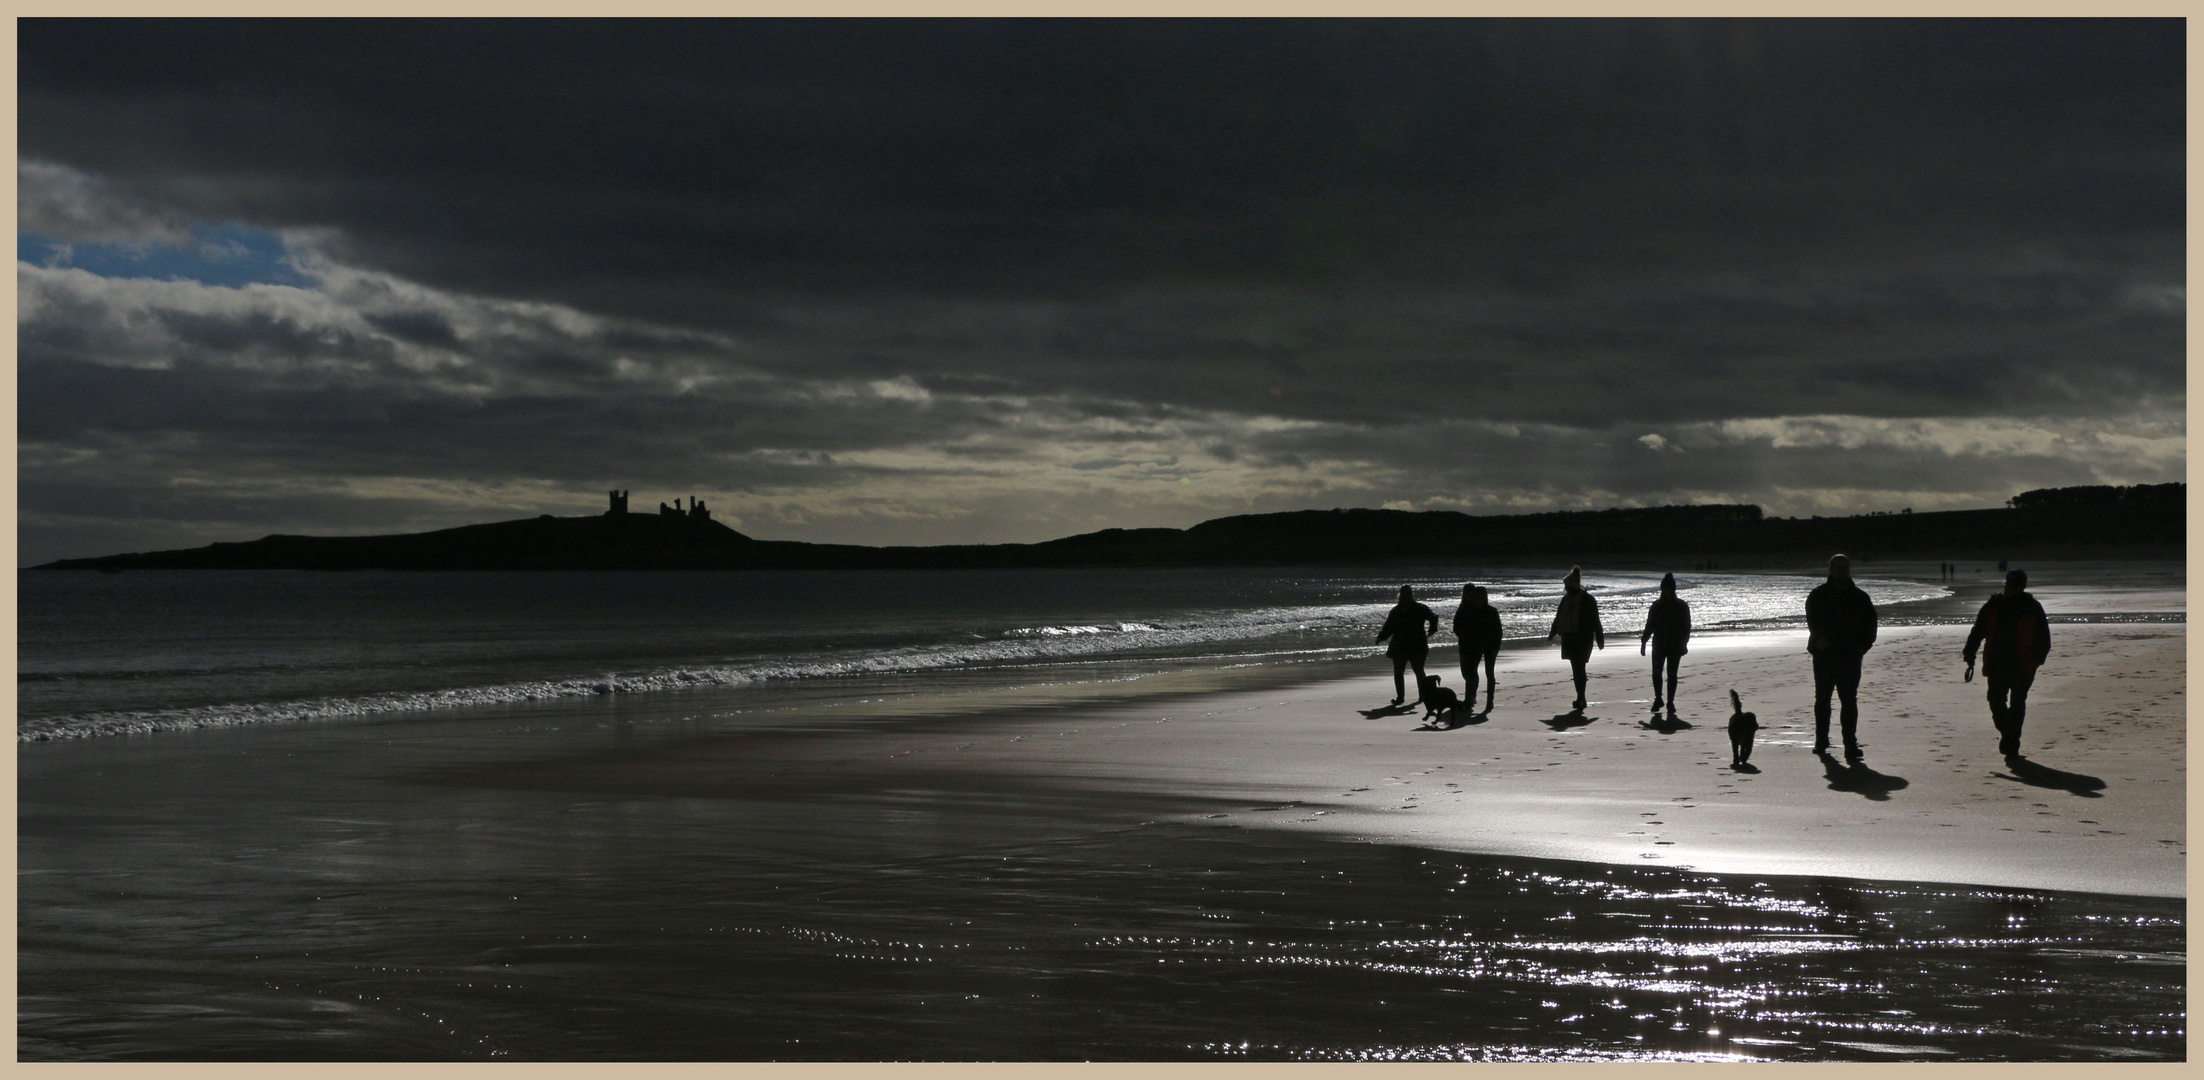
x: 1742, y: 725
x: 1437, y: 699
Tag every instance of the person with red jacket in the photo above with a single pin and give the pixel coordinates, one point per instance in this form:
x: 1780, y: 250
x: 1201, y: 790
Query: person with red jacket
x: 2014, y: 637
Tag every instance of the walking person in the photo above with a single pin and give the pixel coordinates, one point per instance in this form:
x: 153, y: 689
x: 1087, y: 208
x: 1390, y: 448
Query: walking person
x: 1668, y: 627
x: 2014, y: 637
x: 1840, y: 628
x: 1576, y: 623
x: 1477, y: 625
x: 1409, y: 626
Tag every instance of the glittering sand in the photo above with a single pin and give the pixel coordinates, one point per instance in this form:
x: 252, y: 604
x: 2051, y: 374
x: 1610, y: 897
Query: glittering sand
x: 1261, y: 864
x: 2096, y: 804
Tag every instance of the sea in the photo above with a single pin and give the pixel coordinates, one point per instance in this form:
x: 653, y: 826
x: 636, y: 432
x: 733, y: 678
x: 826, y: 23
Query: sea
x: 226, y: 849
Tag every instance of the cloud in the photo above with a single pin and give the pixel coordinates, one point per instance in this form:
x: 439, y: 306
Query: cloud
x: 66, y: 204
x: 934, y: 281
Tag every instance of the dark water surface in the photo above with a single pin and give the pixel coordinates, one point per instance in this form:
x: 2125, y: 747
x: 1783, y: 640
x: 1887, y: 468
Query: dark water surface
x: 325, y: 891
x: 105, y: 654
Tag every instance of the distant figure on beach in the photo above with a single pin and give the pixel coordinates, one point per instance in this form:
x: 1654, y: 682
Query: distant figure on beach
x: 1477, y: 625
x: 2014, y: 637
x: 1668, y: 627
x: 1409, y: 626
x: 1840, y: 628
x: 1576, y: 623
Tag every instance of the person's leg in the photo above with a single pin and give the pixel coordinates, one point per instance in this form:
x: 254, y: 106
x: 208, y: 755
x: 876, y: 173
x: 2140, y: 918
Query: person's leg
x: 1492, y: 679
x: 1674, y: 662
x: 1416, y: 660
x: 1998, y: 689
x: 1825, y: 680
x: 1468, y: 659
x: 2016, y: 712
x: 1400, y: 694
x: 1656, y: 680
x: 1848, y: 698
x: 1576, y: 674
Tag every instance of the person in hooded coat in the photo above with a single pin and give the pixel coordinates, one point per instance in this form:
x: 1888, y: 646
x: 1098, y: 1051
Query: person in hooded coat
x: 1840, y: 628
x: 2014, y: 637
x: 1576, y: 623
x: 1408, y: 626
x: 1477, y: 625
x: 1668, y: 627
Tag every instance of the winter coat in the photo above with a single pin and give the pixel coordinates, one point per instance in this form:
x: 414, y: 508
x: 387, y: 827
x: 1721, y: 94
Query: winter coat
x: 1407, y: 627
x: 1668, y: 624
x: 2016, y: 633
x: 1840, y: 620
x: 1478, y: 628
x: 1578, y: 617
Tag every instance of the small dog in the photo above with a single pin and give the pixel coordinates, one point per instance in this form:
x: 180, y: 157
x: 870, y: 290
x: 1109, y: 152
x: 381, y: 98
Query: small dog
x: 1437, y: 699
x: 1742, y: 725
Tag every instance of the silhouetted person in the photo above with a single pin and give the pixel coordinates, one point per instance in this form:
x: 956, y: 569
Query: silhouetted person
x: 1840, y: 628
x: 1477, y: 624
x: 1409, y: 626
x: 2014, y: 637
x: 1668, y: 627
x: 1576, y: 623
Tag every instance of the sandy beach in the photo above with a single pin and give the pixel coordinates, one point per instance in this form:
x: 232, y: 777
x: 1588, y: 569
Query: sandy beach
x: 2096, y: 804
x: 1204, y: 863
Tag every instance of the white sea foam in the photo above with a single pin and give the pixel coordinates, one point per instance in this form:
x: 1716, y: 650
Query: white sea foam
x: 1218, y: 635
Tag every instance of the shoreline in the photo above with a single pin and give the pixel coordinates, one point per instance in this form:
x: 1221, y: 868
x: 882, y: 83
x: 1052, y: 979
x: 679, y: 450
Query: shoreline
x: 2097, y: 806
x: 1255, y: 863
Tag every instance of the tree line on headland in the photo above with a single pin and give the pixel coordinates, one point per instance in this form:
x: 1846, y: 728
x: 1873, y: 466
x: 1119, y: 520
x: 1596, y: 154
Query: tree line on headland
x: 2102, y: 521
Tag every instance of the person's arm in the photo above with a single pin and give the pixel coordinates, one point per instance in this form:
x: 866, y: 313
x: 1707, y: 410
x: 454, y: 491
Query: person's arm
x: 2043, y: 634
x: 1386, y: 631
x: 1599, y: 633
x: 1431, y: 618
x: 1974, y: 637
x: 1651, y: 614
x: 1867, y: 616
x: 1684, y: 613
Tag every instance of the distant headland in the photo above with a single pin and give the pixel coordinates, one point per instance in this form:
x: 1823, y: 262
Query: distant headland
x: 2110, y: 522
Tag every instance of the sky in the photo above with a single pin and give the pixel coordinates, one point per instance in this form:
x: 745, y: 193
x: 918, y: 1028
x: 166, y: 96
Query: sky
x: 948, y: 281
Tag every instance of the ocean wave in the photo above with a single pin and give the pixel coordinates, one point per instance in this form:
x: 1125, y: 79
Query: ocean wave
x: 1022, y: 646
x: 1217, y: 635
x: 1066, y: 631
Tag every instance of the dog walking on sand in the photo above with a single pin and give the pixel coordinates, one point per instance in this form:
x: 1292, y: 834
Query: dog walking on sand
x: 1437, y: 699
x: 1742, y: 725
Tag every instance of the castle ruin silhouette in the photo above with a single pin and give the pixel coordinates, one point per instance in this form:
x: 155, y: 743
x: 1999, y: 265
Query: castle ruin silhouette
x: 696, y: 510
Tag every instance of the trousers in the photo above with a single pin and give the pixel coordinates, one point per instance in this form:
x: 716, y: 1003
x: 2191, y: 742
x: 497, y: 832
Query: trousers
x: 2009, y: 701
x: 1840, y: 673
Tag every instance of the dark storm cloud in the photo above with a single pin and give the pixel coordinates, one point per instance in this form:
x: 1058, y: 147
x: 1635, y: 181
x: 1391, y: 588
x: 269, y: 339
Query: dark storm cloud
x: 1018, y: 266
x: 661, y: 165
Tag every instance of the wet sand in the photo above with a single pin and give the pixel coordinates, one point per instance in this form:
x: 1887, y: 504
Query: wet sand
x: 1198, y: 865
x: 2097, y: 803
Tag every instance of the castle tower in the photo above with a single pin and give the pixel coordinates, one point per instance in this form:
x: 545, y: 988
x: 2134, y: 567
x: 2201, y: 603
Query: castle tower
x: 619, y: 504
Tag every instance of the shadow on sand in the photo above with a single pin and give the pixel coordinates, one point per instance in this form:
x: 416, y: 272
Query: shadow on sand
x: 1669, y: 726
x: 1567, y: 720
x: 1744, y: 767
x: 1454, y: 718
x: 1859, y: 779
x: 1402, y: 709
x: 2034, y: 775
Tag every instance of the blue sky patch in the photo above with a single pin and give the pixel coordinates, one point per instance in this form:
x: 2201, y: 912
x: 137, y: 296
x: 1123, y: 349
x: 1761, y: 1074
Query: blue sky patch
x: 216, y: 255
